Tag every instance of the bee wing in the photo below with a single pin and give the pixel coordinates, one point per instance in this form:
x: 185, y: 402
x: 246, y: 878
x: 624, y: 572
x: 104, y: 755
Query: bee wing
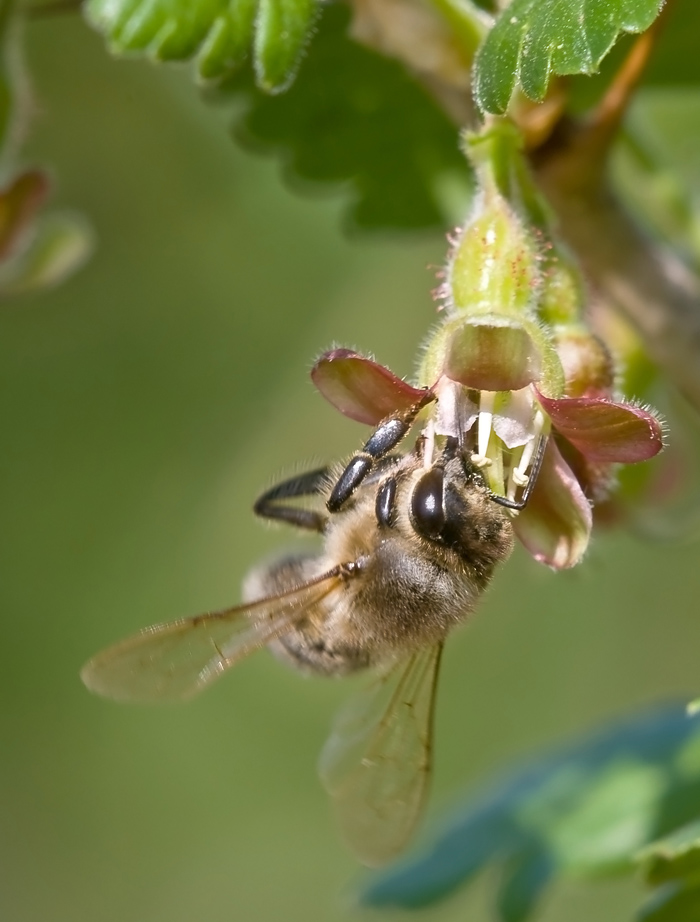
x: 169, y: 662
x: 376, y: 763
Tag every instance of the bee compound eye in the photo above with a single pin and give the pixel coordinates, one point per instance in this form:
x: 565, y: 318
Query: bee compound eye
x: 427, y: 505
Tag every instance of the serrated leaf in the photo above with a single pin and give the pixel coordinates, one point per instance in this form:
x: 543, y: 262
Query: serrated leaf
x: 533, y: 39
x: 584, y: 811
x: 219, y: 33
x: 357, y: 118
x: 281, y: 32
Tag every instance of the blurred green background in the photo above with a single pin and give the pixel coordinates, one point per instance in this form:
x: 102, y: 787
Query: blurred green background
x: 143, y: 407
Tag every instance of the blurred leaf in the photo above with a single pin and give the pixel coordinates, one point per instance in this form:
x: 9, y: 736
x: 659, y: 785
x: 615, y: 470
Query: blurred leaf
x: 219, y: 33
x: 522, y: 884
x: 59, y: 246
x: 20, y: 200
x: 672, y: 866
x: 672, y: 903
x: 675, y: 59
x: 533, y: 39
x: 585, y: 811
x: 353, y: 116
x: 676, y: 855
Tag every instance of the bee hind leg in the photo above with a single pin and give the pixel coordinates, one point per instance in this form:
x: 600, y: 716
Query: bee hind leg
x: 308, y: 647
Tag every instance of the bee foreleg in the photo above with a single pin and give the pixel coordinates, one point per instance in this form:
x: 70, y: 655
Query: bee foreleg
x: 392, y: 430
x: 531, y: 480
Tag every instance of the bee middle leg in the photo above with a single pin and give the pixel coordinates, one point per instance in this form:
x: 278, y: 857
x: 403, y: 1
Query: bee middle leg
x: 272, y: 505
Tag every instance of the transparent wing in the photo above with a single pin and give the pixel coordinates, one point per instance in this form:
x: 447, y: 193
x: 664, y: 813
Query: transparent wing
x: 169, y: 662
x: 376, y: 764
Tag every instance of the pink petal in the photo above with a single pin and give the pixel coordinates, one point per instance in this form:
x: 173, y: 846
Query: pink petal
x: 604, y: 431
x: 360, y: 388
x: 556, y: 523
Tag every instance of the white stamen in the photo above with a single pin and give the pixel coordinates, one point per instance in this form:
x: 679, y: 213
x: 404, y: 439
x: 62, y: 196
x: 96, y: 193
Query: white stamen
x: 480, y: 457
x: 487, y: 400
x: 518, y: 475
x: 429, y: 444
x: 480, y: 460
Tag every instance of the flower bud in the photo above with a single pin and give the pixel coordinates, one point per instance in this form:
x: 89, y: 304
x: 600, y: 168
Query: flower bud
x: 562, y: 297
x: 493, y: 267
x: 588, y: 366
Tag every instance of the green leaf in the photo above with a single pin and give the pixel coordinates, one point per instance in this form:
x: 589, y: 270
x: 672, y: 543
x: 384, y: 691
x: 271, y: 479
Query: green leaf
x: 219, y: 33
x: 584, y: 811
x: 357, y: 118
x: 532, y: 39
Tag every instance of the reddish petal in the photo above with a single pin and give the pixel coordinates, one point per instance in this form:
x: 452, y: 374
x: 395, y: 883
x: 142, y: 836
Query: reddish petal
x: 19, y: 202
x: 556, y: 523
x: 360, y: 388
x: 604, y: 431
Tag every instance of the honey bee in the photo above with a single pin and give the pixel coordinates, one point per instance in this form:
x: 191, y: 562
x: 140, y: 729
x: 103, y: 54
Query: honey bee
x: 410, y: 542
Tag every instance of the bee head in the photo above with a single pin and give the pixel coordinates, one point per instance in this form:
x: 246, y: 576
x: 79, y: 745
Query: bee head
x: 450, y: 506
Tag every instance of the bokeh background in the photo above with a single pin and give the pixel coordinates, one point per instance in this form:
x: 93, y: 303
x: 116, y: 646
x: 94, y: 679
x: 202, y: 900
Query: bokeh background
x: 143, y: 406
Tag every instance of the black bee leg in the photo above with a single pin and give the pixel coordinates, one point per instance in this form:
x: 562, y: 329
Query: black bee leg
x: 531, y: 480
x: 271, y: 505
x: 385, y: 437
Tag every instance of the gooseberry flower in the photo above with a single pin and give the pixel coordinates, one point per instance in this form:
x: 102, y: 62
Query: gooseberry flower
x: 501, y: 431
x: 511, y: 365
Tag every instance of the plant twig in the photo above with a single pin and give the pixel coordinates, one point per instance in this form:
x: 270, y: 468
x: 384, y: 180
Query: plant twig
x: 51, y: 8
